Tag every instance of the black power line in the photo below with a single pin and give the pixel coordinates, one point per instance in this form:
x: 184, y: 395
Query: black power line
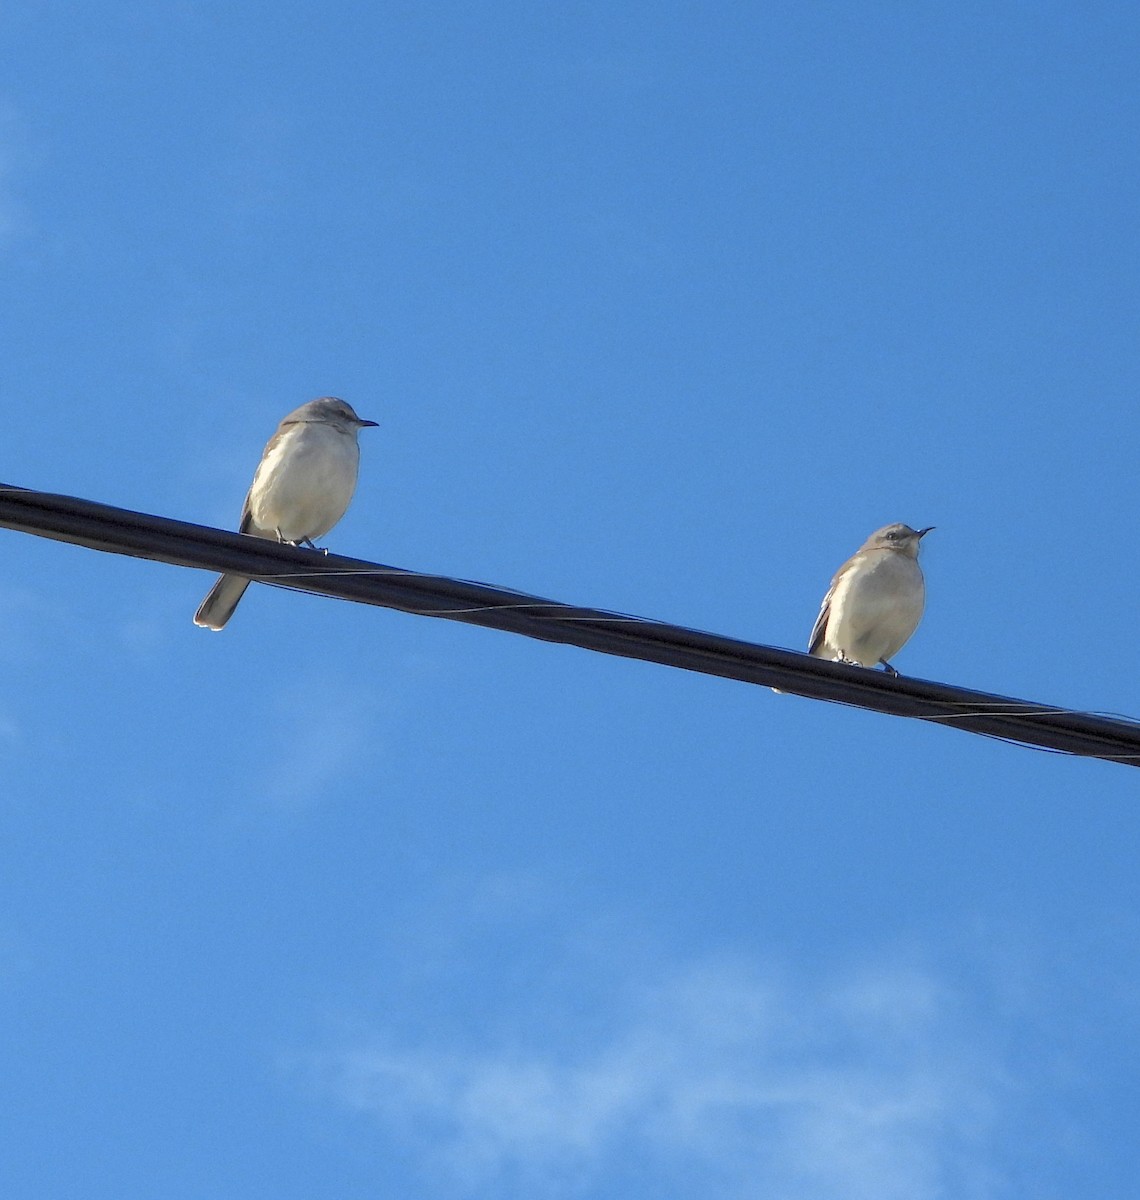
x: 120, y: 531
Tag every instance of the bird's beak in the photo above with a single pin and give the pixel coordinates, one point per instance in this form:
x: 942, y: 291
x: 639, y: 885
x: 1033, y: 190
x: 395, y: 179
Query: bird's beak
x: 923, y: 532
x: 367, y: 424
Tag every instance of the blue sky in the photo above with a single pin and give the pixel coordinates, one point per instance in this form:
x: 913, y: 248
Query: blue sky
x: 663, y: 308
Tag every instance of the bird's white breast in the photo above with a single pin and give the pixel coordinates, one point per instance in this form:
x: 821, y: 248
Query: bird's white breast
x: 305, y: 482
x: 876, y: 608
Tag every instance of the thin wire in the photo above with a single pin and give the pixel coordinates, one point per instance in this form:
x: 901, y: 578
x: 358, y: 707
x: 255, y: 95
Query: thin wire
x: 1000, y: 707
x: 121, y: 531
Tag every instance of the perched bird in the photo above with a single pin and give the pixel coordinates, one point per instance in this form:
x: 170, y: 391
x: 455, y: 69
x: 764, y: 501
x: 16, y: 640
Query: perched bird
x: 300, y: 490
x: 875, y: 601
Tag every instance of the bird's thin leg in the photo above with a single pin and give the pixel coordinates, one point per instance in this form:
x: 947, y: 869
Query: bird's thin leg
x: 284, y: 541
x: 888, y: 668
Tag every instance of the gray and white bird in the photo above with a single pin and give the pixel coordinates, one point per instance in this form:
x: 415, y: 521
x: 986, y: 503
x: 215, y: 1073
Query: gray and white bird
x: 300, y: 490
x: 875, y: 601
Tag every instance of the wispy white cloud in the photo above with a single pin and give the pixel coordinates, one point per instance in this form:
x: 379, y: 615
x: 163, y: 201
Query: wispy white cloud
x: 716, y: 1079
x: 326, y: 732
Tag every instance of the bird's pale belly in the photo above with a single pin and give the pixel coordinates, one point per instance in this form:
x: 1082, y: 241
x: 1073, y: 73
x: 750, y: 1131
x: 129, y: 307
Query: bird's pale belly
x: 876, y: 616
x: 304, y: 489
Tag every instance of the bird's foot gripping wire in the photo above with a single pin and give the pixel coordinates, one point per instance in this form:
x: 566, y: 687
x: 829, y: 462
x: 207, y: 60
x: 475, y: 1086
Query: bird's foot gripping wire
x: 308, y: 543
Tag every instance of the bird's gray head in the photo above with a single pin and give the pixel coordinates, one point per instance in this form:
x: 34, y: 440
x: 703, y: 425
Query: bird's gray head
x: 898, y: 537
x: 332, y: 411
